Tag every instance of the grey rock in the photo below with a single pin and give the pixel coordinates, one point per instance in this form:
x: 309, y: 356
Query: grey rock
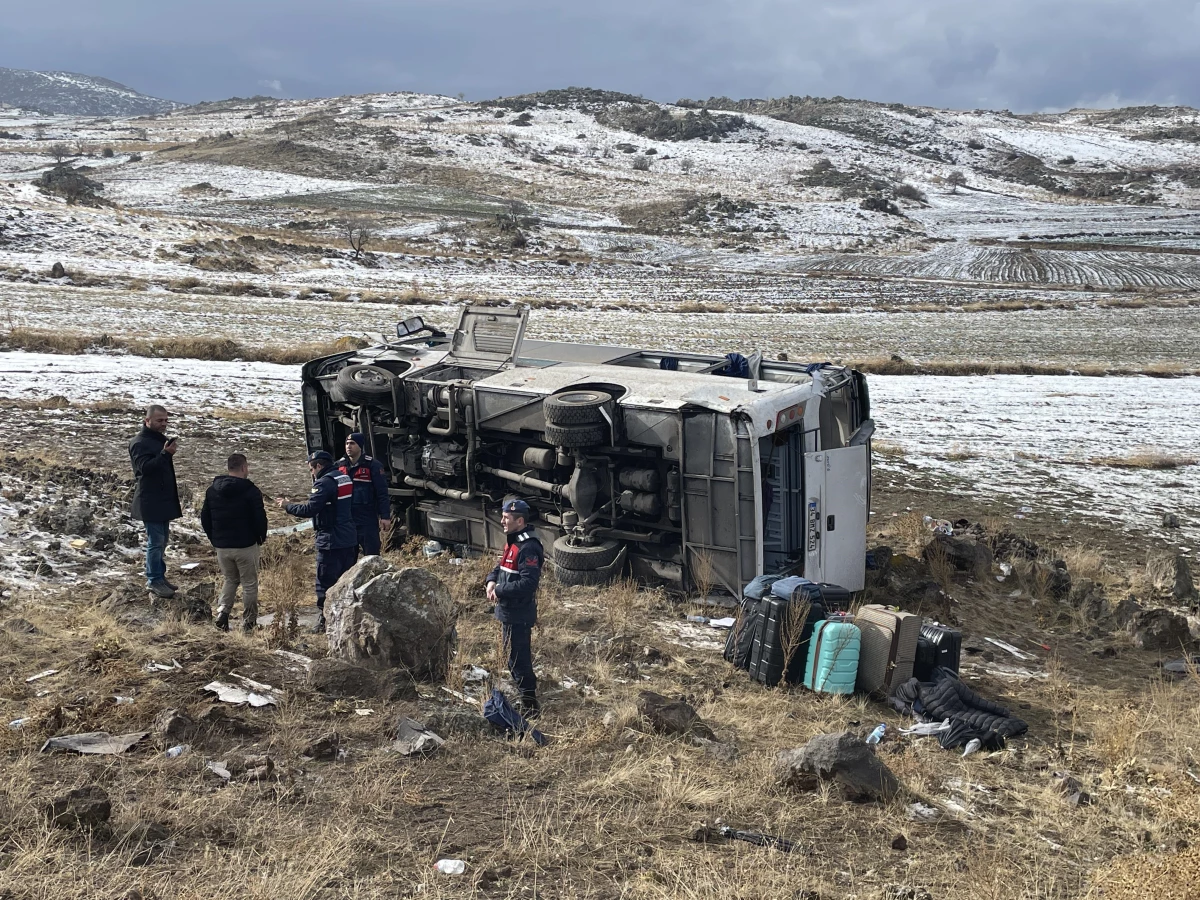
x: 1125, y: 610
x: 843, y: 758
x: 1170, y: 520
x: 383, y: 617
x: 324, y: 747
x: 337, y: 678
x: 85, y: 808
x: 964, y: 554
x: 1159, y: 629
x: 672, y: 716
x: 905, y: 892
x: 1172, y: 572
x: 171, y: 723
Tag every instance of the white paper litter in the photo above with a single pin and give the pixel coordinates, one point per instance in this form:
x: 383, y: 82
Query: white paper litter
x: 298, y: 658
x: 1011, y: 649
x: 475, y: 675
x: 364, y: 712
x: 161, y: 667
x: 727, y: 622
x: 218, y: 769
x: 925, y: 729
x: 187, y: 567
x: 228, y: 693
x: 40, y: 675
x: 251, y: 683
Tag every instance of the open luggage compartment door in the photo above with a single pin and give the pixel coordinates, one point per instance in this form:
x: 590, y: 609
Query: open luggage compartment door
x: 835, y: 491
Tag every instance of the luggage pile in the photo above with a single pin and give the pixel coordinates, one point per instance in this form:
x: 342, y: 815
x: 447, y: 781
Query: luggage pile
x: 800, y: 632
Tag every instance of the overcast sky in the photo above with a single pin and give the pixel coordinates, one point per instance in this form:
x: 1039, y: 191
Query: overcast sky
x: 1023, y: 55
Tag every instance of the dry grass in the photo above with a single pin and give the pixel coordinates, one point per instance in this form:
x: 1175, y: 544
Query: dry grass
x: 36, y: 341
x: 883, y: 365
x: 604, y: 812
x: 1148, y: 459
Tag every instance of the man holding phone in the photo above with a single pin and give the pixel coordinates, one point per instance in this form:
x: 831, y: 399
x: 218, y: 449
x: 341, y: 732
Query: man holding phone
x: 155, y: 493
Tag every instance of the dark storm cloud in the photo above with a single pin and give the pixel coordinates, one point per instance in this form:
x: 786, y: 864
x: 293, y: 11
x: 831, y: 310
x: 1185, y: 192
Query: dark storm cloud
x: 1021, y: 54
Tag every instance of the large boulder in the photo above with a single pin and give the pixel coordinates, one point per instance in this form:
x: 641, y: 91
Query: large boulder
x: 843, y: 758
x: 963, y: 553
x: 388, y: 618
x: 1171, y: 573
x: 672, y: 716
x: 1159, y: 629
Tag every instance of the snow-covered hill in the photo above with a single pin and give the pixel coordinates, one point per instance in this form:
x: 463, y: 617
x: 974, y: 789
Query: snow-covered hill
x: 70, y: 94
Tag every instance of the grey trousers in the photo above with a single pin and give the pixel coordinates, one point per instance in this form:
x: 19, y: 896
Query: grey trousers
x: 239, y: 566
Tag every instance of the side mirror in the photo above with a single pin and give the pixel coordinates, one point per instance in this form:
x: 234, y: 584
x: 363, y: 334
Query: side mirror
x: 410, y: 326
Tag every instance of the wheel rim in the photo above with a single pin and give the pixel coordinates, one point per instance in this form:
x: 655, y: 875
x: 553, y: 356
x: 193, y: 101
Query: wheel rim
x: 369, y: 378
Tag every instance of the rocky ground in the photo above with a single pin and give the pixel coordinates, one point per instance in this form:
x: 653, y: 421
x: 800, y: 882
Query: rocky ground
x: 305, y: 795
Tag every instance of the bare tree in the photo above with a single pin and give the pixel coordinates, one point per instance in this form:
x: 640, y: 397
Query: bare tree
x: 686, y: 165
x: 59, y: 151
x: 956, y: 179
x: 359, y: 236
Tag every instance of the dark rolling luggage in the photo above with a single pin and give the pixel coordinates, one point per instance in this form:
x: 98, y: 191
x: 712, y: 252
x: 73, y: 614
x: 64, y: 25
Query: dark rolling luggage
x: 777, y: 650
x: 926, y: 661
x: 740, y: 640
x: 947, y: 643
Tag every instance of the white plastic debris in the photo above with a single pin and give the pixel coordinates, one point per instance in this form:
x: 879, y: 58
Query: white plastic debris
x: 177, y: 751
x: 451, y: 866
x: 364, y: 712
x: 17, y: 724
x: 413, y: 738
x: 726, y: 622
x: 973, y: 746
x: 1019, y: 654
x: 218, y: 769
x: 228, y: 693
x: 161, y: 667
x: 926, y: 729
x: 40, y: 675
x: 433, y: 548
x: 475, y: 674
x: 922, y: 812
x: 100, y: 742
x: 251, y: 683
x: 187, y: 567
x: 122, y: 701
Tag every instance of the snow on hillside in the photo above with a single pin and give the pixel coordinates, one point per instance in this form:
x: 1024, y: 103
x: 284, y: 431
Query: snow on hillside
x: 72, y: 94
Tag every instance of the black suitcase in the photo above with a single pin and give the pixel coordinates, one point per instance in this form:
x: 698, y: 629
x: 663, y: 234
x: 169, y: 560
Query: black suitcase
x: 926, y: 659
x: 947, y: 642
x: 740, y: 640
x: 773, y: 653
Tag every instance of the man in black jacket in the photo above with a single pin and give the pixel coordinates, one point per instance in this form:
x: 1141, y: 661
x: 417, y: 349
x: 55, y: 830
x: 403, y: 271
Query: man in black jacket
x: 155, y: 494
x: 236, y: 523
x: 512, y: 586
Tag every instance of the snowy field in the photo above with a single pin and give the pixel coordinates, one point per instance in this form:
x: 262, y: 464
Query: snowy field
x: 1019, y: 441
x: 1113, y: 338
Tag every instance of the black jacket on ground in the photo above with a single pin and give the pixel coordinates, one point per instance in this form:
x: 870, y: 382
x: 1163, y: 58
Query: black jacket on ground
x: 156, y: 495
x: 948, y: 698
x: 233, y: 515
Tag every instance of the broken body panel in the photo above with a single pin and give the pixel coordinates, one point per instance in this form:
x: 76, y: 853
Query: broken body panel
x: 650, y: 463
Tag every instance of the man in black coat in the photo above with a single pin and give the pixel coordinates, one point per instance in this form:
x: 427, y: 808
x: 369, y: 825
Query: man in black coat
x: 155, y: 494
x: 512, y: 586
x: 236, y: 523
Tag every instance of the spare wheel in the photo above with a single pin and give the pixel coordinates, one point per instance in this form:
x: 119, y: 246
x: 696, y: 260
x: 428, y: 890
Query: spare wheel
x: 575, y: 407
x: 584, y: 556
x: 364, y: 383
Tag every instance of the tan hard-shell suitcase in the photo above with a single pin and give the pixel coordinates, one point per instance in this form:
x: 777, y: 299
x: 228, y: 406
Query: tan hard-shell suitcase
x: 889, y: 647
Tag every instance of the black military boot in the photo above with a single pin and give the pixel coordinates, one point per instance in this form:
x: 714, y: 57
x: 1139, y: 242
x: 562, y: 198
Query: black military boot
x: 319, y: 628
x: 223, y: 620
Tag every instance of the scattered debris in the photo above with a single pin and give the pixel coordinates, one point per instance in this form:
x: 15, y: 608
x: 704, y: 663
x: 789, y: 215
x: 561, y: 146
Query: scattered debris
x: 40, y: 675
x: 413, y: 738
x: 1019, y: 654
x: 218, y: 769
x: 324, y: 747
x: 161, y: 667
x: 99, y: 742
x: 923, y: 812
x: 228, y: 693
x: 500, y: 713
x: 177, y: 751
x: 450, y: 866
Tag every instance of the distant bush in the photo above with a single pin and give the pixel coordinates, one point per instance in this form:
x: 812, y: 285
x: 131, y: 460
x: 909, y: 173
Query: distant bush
x: 880, y: 204
x: 974, y: 144
x: 656, y: 123
x: 524, y: 120
x: 1067, y: 161
x: 641, y: 164
x: 107, y: 153
x: 906, y: 191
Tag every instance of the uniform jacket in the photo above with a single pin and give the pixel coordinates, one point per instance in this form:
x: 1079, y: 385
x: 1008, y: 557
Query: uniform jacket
x: 371, y: 501
x: 233, y: 516
x: 155, y: 495
x: 516, y: 579
x: 329, y: 507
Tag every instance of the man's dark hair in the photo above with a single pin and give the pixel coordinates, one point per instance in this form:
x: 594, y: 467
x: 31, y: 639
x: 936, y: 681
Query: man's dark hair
x: 154, y: 408
x: 236, y: 462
